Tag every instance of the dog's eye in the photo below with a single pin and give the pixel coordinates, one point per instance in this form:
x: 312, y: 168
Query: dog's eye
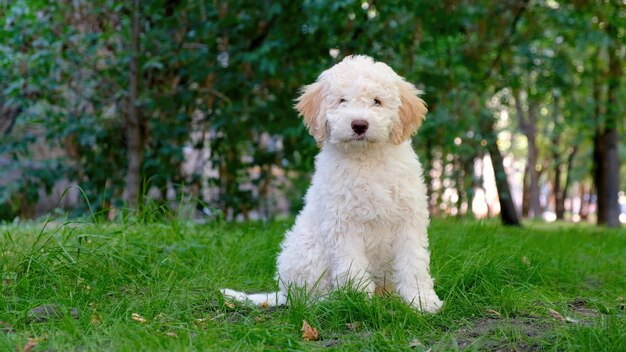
x: 377, y: 102
x: 342, y: 100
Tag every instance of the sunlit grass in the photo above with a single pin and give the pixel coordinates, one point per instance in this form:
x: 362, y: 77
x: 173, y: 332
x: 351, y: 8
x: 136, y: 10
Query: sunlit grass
x: 502, y: 288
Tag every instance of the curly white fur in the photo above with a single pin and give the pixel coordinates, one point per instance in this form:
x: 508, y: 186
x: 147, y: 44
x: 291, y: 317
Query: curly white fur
x: 365, y: 219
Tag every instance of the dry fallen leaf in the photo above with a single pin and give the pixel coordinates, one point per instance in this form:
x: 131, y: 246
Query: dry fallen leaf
x: 171, y: 334
x: 571, y: 320
x: 230, y: 305
x: 354, y: 326
x: 415, y: 343
x: 560, y: 317
x: 139, y: 318
x: 493, y: 312
x: 95, y: 319
x: 309, y: 333
x: 217, y: 317
x: 32, y: 343
x: 556, y: 315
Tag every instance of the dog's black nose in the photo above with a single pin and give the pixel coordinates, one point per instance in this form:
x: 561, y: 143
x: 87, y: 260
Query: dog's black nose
x: 359, y: 126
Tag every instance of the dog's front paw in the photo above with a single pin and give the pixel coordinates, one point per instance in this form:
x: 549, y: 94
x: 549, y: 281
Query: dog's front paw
x: 370, y: 288
x: 431, y: 304
x: 428, y: 303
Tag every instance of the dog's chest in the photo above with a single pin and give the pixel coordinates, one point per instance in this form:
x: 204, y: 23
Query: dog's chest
x: 362, y: 195
x: 368, y: 192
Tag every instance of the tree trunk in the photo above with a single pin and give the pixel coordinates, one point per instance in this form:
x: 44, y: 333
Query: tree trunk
x: 610, y: 164
x: 526, y: 192
x: 605, y: 141
x: 457, y: 174
x: 427, y: 177
x: 134, y: 136
x: 508, y: 213
x: 557, y: 185
x: 469, y: 181
x: 464, y: 182
x: 8, y: 116
x: 535, y: 205
x: 598, y: 152
x: 559, y: 196
x: 599, y: 175
x: 528, y: 125
x: 610, y: 137
x: 560, y: 204
x: 585, y: 200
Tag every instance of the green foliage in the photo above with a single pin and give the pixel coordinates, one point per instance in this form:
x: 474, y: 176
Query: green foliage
x: 169, y: 273
x: 222, y: 76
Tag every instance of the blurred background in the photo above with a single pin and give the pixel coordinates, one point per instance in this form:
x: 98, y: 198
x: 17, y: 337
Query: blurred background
x: 108, y: 105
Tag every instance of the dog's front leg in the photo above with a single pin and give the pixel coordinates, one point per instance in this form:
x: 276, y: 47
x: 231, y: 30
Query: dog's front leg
x: 411, y: 270
x: 349, y: 263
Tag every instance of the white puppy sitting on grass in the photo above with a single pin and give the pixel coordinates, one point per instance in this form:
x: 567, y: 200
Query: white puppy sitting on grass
x: 366, y: 216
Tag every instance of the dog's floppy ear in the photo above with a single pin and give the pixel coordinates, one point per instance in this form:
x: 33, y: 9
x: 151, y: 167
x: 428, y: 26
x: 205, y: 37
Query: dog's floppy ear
x: 310, y: 105
x: 412, y: 112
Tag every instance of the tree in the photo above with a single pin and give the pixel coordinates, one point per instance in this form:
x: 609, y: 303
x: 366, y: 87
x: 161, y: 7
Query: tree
x: 134, y: 124
x: 215, y: 82
x: 606, y: 167
x: 610, y: 19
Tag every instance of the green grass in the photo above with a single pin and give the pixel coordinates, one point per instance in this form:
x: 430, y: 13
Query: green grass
x: 499, y: 287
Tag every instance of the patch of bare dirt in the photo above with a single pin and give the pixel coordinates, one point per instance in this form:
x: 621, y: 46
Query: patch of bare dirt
x: 582, y: 309
x: 49, y: 312
x: 503, y: 334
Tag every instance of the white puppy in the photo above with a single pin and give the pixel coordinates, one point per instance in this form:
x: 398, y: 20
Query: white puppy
x: 366, y: 217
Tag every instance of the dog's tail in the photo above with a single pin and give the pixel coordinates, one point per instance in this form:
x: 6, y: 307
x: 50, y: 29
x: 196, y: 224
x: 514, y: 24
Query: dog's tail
x: 269, y: 299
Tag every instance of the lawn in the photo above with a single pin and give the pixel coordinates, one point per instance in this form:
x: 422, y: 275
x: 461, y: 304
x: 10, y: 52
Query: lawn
x: 131, y: 286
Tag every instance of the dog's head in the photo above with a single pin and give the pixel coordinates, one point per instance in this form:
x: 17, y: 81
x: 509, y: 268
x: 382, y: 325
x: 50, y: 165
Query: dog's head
x: 360, y: 101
